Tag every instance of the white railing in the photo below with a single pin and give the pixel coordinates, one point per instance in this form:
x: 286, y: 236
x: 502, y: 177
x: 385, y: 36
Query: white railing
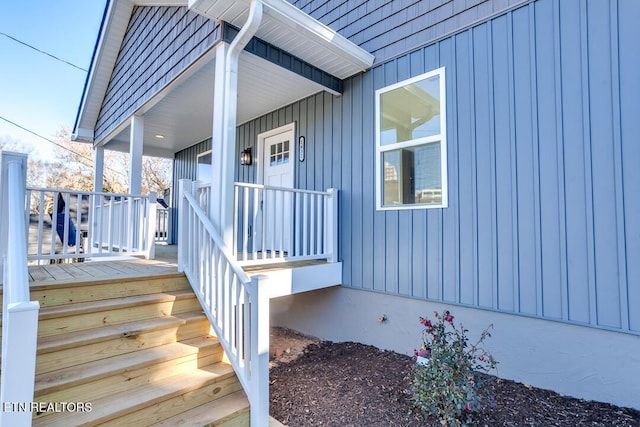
x: 163, y: 225
x: 274, y: 224
x: 19, y: 314
x: 236, y: 306
x: 67, y: 224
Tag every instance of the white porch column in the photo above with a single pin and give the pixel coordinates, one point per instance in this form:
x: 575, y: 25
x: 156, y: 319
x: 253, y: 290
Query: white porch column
x: 218, y: 186
x: 136, y: 142
x: 225, y: 103
x: 98, y: 169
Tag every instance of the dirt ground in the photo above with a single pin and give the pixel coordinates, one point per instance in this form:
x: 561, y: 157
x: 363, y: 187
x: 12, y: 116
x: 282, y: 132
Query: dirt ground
x: 316, y: 383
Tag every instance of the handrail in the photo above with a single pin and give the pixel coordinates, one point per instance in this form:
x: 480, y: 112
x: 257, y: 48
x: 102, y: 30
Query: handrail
x: 20, y: 315
x: 86, y: 193
x: 286, y: 189
x: 208, y: 226
x: 234, y: 303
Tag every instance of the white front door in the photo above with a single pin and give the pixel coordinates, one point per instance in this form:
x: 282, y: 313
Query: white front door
x: 276, y: 169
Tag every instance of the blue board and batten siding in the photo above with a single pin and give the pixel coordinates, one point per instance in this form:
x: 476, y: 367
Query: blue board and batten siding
x: 544, y: 188
x: 387, y: 28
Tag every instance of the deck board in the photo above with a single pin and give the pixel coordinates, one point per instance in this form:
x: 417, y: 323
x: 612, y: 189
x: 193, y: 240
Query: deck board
x: 122, y: 267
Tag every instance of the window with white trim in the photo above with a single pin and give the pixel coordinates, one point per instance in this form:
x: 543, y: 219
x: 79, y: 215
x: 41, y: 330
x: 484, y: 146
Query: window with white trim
x: 203, y: 173
x: 411, y: 144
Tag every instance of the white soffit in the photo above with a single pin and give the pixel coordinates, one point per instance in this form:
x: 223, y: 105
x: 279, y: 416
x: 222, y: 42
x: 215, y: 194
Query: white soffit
x: 292, y: 30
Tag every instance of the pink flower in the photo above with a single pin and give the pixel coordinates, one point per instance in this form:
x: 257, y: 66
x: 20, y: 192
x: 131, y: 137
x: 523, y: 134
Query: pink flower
x: 449, y: 318
x: 424, y: 352
x: 481, y: 358
x: 469, y: 406
x: 425, y: 322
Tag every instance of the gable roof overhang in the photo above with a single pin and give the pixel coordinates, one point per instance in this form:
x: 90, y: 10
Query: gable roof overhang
x: 322, y: 56
x: 292, y: 30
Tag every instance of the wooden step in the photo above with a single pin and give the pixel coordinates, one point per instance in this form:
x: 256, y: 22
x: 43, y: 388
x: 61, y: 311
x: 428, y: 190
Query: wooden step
x: 162, y: 399
x: 58, y: 293
x: 230, y: 410
x: 61, y: 351
x: 97, y: 379
x: 92, y: 314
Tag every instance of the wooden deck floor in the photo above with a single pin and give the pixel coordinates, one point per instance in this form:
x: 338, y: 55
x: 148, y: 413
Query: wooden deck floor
x: 165, y: 262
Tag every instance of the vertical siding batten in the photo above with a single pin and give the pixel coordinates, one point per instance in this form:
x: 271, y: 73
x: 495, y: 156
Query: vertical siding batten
x: 593, y: 303
x: 560, y: 274
x: 535, y: 140
x: 618, y: 176
x: 628, y: 11
x: 513, y: 166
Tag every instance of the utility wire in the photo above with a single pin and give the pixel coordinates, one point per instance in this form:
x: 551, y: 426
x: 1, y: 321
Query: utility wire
x: 82, y: 156
x: 42, y: 51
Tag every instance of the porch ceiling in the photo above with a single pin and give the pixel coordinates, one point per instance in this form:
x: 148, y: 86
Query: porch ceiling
x: 183, y: 112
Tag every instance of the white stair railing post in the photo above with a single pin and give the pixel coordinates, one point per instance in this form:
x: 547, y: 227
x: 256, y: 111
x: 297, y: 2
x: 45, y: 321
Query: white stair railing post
x: 332, y: 224
x: 184, y: 187
x: 259, y: 352
x: 150, y: 252
x: 20, y: 316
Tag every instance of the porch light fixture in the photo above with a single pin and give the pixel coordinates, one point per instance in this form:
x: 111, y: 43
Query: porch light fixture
x: 159, y: 136
x: 245, y: 157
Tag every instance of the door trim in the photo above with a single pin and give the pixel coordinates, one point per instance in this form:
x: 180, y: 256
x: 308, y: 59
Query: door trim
x: 291, y: 127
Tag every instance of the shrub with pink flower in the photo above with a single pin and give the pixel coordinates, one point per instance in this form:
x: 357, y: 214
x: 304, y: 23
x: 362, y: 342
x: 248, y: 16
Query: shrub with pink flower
x: 448, y: 386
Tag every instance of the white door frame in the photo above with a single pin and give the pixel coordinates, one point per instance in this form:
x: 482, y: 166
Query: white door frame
x: 291, y: 127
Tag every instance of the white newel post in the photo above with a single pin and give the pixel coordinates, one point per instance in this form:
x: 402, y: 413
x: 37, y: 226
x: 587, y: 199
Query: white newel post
x: 20, y: 316
x: 184, y: 187
x: 150, y: 250
x: 332, y: 224
x: 95, y: 201
x: 259, y: 352
x: 98, y: 169
x: 136, y: 143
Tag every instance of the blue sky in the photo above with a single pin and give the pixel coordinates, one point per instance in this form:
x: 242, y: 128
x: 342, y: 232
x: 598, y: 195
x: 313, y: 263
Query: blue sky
x: 37, y: 91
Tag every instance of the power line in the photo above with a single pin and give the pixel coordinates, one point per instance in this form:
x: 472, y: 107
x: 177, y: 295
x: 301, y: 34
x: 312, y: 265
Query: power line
x: 80, y: 155
x: 42, y: 51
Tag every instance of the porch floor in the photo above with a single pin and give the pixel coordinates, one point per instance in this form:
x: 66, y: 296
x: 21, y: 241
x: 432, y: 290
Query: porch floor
x: 165, y: 262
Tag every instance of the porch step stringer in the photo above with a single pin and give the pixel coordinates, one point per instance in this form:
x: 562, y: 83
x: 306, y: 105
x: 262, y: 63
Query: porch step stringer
x: 139, y: 352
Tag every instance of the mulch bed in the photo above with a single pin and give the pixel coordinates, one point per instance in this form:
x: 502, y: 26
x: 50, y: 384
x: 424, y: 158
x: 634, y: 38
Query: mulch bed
x: 314, y: 383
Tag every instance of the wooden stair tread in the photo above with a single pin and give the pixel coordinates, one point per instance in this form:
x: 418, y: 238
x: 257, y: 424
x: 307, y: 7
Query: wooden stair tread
x: 218, y: 411
x: 113, y: 406
x: 88, y: 281
x: 68, y: 377
x: 89, y: 336
x: 111, y: 304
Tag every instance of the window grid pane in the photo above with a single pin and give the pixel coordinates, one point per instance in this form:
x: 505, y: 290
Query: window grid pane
x: 279, y: 153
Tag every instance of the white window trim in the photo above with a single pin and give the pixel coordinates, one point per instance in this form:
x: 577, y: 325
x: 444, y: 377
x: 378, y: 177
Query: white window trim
x: 204, y: 153
x: 442, y: 137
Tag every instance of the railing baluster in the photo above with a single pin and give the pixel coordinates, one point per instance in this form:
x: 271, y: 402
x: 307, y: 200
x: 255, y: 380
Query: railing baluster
x: 40, y: 223
x: 320, y: 203
x: 305, y: 227
x: 245, y: 222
